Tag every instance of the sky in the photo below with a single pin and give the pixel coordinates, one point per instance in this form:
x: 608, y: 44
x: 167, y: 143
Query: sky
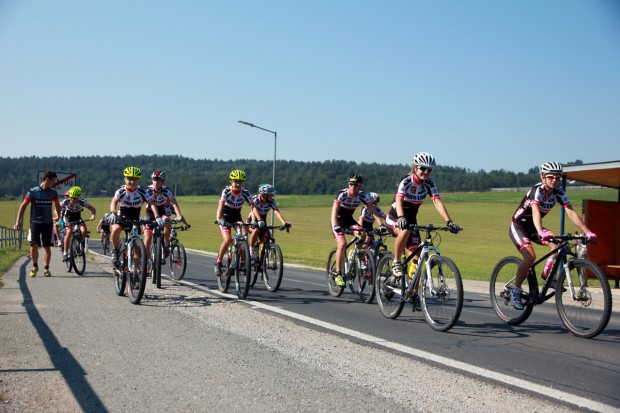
x: 480, y: 84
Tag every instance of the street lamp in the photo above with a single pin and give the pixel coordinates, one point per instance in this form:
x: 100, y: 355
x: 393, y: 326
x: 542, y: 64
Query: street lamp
x: 275, y: 144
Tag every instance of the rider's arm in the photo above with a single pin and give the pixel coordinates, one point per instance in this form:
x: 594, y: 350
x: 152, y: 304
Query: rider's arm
x: 536, y: 217
x: 93, y: 211
x: 574, y: 216
x: 220, y: 208
x: 279, y: 215
x: 334, y: 217
x: 20, y: 212
x: 113, y: 205
x: 441, y: 208
x: 398, y: 203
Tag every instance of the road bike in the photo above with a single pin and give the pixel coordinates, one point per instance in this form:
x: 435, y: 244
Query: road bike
x: 76, y: 258
x: 358, y: 267
x: 177, y: 259
x: 269, y: 263
x: 237, y: 263
x: 435, y: 287
x: 130, y: 274
x: 582, y: 293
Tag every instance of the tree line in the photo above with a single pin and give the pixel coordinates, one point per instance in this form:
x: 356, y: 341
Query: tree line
x: 102, y: 175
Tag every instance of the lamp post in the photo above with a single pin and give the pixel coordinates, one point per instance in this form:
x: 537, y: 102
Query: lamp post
x: 275, y: 145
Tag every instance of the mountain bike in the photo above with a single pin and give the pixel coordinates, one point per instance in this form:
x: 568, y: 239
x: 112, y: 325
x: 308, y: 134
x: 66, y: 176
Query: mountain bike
x: 156, y: 255
x: 582, y: 293
x: 269, y: 261
x: 130, y: 274
x: 76, y: 259
x: 378, y: 249
x: 435, y: 287
x: 358, y: 267
x: 105, y: 242
x: 237, y: 263
x: 177, y: 259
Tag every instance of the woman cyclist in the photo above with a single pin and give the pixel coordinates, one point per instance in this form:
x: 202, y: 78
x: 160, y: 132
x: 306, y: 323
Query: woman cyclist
x: 263, y: 202
x: 526, y: 226
x: 366, y: 219
x: 72, y: 208
x: 229, y: 211
x: 128, y: 199
x: 345, y: 204
x: 412, y: 190
x: 164, y: 200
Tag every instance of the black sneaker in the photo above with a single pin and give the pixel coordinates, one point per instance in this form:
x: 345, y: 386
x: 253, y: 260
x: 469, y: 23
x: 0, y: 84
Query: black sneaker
x: 114, y: 255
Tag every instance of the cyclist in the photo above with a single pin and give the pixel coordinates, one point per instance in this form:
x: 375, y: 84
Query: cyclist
x: 263, y: 202
x: 59, y: 224
x: 412, y: 190
x: 345, y: 204
x: 72, y: 208
x: 526, y: 226
x: 229, y: 210
x: 366, y: 219
x: 103, y: 227
x: 129, y: 199
x: 166, y: 202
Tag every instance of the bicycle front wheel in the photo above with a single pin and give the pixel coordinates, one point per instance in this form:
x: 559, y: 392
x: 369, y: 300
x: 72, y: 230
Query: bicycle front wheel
x: 243, y: 270
x: 136, y: 275
x: 586, y: 308
x: 272, y: 267
x: 333, y: 289
x: 119, y: 274
x: 389, y: 289
x: 502, y: 281
x: 441, y: 296
x: 223, y: 281
x: 178, y: 261
x: 157, y: 262
x: 77, y: 256
x: 365, y: 275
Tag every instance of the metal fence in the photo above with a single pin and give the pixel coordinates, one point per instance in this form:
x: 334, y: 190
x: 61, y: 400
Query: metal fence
x: 10, y: 237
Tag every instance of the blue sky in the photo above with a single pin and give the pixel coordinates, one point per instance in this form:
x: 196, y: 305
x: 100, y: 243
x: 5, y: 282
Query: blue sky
x: 481, y: 84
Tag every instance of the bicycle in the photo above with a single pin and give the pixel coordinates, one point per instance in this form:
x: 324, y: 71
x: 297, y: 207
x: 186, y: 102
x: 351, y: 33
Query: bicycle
x: 76, y: 259
x: 269, y: 263
x: 378, y: 249
x: 440, y: 293
x: 237, y: 263
x: 156, y: 255
x: 131, y: 273
x: 583, y: 307
x: 358, y: 267
x: 105, y: 242
x: 176, y: 255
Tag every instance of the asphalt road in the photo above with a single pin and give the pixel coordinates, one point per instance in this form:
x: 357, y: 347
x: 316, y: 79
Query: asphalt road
x: 81, y: 348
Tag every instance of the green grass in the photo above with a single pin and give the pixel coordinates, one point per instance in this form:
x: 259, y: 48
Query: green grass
x: 485, y: 217
x: 8, y: 257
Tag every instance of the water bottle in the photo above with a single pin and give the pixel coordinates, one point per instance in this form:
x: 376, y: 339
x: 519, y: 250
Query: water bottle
x: 413, y: 264
x: 582, y: 249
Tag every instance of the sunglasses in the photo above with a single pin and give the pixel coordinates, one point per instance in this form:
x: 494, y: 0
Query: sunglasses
x: 353, y: 184
x: 425, y: 169
x: 553, y: 177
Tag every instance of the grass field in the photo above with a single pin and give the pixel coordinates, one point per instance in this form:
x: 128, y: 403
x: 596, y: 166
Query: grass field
x: 484, y: 216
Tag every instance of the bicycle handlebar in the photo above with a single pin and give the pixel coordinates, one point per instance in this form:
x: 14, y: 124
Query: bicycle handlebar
x: 430, y: 228
x: 568, y: 237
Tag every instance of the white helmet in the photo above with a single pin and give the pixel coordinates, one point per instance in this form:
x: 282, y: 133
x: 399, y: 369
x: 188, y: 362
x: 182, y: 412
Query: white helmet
x: 424, y: 159
x: 550, y: 168
x: 266, y: 189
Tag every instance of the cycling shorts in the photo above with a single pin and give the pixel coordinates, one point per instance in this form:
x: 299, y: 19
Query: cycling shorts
x: 523, y: 235
x: 41, y: 234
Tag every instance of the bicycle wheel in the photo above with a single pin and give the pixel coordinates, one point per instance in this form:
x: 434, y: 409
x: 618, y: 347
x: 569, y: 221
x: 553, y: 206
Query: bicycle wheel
x: 389, y: 290
x: 243, y: 269
x: 223, y: 281
x: 77, y: 256
x: 136, y: 274
x: 333, y: 289
x: 442, y: 300
x: 177, y: 260
x: 255, y: 265
x: 157, y: 261
x: 105, y: 244
x: 502, y: 281
x: 365, y: 275
x: 120, y: 276
x: 272, y: 267
x: 68, y: 262
x: 585, y: 312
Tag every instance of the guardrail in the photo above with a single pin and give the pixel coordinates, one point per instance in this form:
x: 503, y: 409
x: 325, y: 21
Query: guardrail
x: 10, y: 237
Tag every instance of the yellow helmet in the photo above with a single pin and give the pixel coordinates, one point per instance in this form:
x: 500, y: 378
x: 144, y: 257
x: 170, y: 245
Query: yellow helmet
x: 237, y: 175
x: 75, y: 192
x: 132, y: 172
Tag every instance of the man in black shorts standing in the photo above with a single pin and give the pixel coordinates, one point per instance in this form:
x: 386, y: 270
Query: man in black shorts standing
x: 42, y: 197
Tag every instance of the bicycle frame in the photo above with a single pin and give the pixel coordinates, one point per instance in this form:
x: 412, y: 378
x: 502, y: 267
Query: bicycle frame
x: 427, y: 250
